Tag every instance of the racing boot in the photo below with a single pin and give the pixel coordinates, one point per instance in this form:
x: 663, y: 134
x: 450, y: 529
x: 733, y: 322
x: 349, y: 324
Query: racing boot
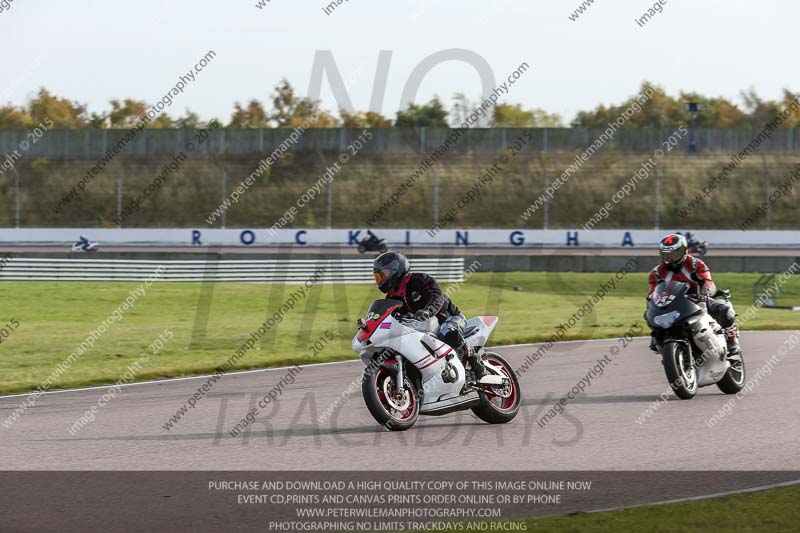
x: 653, y: 345
x: 732, y: 338
x: 474, y: 361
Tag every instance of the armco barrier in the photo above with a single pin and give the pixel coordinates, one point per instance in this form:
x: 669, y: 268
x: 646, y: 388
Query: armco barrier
x: 278, y: 270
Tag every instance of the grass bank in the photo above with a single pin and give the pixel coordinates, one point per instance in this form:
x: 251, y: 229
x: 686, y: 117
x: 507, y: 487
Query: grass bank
x: 56, y: 317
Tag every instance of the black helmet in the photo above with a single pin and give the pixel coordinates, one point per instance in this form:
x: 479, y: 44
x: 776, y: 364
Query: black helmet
x: 389, y: 268
x: 672, y: 251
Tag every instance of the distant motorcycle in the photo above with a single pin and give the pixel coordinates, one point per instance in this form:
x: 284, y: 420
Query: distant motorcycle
x: 695, y: 246
x: 372, y: 243
x: 692, y: 344
x: 85, y: 245
x: 410, y: 371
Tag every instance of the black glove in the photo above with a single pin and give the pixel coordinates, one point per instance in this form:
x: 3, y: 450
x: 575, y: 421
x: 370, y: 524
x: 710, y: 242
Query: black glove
x: 422, y: 314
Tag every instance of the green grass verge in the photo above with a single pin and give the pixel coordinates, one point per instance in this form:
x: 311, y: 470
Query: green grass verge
x: 54, y: 318
x: 773, y: 510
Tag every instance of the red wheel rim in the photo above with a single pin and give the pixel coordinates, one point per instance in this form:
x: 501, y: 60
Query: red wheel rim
x: 380, y: 377
x: 501, y: 403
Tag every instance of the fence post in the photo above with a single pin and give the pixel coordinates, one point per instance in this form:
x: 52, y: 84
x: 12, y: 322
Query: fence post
x: 16, y: 198
x: 545, y: 140
x: 224, y: 193
x: 656, y: 190
x: 767, y: 187
x: 119, y: 200
x: 435, y: 196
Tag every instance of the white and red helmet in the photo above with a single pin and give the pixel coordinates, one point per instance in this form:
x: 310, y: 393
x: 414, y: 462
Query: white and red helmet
x: 672, y: 250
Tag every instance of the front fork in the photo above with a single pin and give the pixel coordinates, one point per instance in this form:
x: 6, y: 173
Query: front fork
x: 399, y: 376
x: 400, y: 383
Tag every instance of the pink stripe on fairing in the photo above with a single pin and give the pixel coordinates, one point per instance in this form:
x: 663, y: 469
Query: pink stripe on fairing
x: 386, y: 325
x: 488, y: 320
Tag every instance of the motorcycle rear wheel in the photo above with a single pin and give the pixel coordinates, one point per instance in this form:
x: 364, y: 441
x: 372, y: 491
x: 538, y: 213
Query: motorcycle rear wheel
x: 499, y: 405
x: 395, y: 410
x: 679, y: 368
x: 733, y: 380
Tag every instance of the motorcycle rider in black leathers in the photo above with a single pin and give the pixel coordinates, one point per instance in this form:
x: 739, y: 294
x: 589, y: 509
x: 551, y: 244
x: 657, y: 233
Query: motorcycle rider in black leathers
x: 423, y: 297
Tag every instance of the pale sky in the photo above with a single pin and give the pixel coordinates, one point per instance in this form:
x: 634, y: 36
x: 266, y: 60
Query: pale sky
x: 93, y: 50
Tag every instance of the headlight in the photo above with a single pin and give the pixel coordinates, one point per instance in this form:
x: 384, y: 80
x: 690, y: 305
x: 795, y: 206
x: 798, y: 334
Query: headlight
x: 666, y: 320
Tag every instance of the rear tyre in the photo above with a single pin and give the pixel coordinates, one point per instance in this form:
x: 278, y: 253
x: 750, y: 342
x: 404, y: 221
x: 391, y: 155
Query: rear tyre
x: 499, y: 403
x: 733, y: 380
x: 679, y: 368
x: 396, y: 410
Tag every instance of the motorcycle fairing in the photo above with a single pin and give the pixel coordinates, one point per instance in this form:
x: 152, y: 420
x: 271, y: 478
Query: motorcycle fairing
x: 485, y: 325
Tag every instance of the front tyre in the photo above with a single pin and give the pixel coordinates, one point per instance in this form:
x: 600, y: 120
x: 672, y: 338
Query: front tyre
x: 733, y: 380
x: 499, y: 403
x: 679, y: 368
x: 396, y: 410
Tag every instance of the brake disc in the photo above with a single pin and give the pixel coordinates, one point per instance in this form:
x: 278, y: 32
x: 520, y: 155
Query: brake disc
x: 400, y: 404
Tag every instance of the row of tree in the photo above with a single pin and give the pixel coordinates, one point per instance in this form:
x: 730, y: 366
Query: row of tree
x: 290, y: 110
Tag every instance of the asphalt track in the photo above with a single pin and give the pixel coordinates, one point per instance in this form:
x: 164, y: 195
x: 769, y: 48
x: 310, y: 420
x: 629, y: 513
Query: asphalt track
x: 598, y: 437
x: 599, y: 430
x: 413, y: 250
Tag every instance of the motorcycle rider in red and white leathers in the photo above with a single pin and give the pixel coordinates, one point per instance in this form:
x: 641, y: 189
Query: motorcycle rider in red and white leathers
x: 422, y: 297
x: 677, y: 265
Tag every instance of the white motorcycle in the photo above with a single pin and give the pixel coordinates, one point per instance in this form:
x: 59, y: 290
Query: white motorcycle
x: 410, y: 371
x: 80, y: 247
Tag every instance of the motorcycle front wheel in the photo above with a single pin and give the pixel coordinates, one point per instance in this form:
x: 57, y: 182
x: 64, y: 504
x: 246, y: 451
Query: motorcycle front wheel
x: 679, y: 368
x: 396, y: 410
x: 499, y: 403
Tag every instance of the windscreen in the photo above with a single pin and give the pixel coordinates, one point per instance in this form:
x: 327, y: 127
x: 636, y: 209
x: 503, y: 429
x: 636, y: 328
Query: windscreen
x: 379, y: 307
